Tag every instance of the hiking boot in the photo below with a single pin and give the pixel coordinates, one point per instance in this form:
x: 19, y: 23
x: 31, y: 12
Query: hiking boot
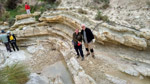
x: 93, y: 56
x: 78, y: 56
x: 87, y: 54
x: 82, y: 59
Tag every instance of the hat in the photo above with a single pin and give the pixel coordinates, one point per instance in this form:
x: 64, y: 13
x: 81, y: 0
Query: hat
x: 8, y: 32
x: 2, y: 31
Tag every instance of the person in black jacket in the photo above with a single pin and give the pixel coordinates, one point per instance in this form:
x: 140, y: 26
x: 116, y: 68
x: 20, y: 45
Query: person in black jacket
x: 88, y: 38
x: 77, y: 41
x: 12, y: 41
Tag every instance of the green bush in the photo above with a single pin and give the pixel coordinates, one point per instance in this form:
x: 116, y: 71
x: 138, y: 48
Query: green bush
x: 14, y: 74
x: 99, y: 16
x: 37, y: 17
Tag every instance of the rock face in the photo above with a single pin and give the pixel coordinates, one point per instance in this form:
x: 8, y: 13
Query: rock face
x: 4, y: 26
x: 25, y: 19
x: 107, y: 33
x: 131, y: 13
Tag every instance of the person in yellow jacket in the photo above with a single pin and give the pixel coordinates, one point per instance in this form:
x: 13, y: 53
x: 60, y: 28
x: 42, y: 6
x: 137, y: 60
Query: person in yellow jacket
x: 12, y: 40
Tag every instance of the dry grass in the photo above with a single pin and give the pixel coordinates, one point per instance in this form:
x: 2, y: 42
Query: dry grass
x: 14, y: 74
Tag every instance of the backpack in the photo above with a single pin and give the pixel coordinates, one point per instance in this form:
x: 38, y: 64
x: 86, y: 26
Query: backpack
x: 11, y: 38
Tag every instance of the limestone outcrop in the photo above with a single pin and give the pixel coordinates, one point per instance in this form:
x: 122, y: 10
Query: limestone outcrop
x: 105, y: 33
x: 25, y: 19
x: 4, y: 26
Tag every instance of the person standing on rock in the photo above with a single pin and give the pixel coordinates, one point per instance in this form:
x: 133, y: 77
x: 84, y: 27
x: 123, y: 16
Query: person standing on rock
x: 88, y: 38
x: 77, y: 42
x: 4, y: 39
x: 27, y: 8
x: 12, y: 40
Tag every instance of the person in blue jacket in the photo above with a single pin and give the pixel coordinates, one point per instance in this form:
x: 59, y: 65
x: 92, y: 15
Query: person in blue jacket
x: 4, y: 39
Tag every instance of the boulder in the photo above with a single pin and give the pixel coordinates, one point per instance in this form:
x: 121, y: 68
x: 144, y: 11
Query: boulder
x: 37, y: 79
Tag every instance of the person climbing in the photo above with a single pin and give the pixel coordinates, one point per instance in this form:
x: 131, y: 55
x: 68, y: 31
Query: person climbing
x: 27, y: 8
x: 88, y: 38
x: 12, y: 40
x: 77, y: 41
x: 4, y: 39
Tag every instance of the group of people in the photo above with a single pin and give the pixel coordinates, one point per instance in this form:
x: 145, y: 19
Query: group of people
x: 87, y: 36
x: 8, y: 39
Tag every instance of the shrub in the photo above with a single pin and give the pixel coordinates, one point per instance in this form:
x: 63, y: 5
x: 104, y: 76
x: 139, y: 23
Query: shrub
x: 37, y: 17
x: 99, y: 16
x: 11, y: 21
x: 14, y: 74
x: 105, y: 3
x: 80, y: 10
